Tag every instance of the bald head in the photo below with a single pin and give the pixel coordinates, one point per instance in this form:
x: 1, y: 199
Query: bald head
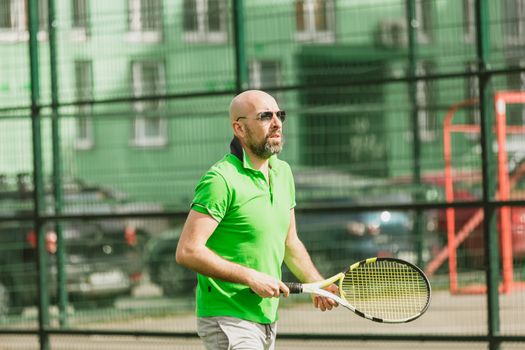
x: 250, y: 102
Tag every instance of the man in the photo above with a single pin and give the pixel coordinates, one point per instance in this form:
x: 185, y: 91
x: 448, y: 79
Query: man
x: 240, y: 229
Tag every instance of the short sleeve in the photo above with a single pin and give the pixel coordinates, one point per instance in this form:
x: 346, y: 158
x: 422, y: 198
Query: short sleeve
x: 212, y: 196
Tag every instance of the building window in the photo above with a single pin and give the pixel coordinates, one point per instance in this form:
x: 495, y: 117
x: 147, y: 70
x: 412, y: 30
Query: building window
x: 425, y: 97
x: 80, y: 19
x: 473, y: 115
x: 265, y: 74
x: 84, y: 133
x: 14, y: 20
x: 424, y: 19
x: 150, y: 132
x: 84, y: 92
x: 12, y: 17
x: 145, y: 20
x: 516, y: 82
x: 43, y: 14
x: 205, y: 20
x: 315, y: 20
x: 469, y: 20
x: 515, y: 115
x: 149, y: 127
x: 472, y: 92
x: 514, y: 22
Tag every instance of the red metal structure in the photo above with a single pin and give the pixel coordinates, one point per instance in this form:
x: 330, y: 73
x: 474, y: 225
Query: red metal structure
x: 455, y: 238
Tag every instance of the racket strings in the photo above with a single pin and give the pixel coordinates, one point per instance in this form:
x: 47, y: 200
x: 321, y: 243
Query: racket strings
x: 386, y: 289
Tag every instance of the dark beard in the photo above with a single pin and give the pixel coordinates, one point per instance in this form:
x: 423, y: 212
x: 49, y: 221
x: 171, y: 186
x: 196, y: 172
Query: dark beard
x: 264, y: 149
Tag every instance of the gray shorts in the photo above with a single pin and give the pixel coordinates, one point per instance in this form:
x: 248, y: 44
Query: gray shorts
x: 230, y: 333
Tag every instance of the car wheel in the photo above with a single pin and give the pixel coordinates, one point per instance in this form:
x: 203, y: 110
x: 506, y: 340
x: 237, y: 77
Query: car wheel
x: 173, y: 278
x: 5, y: 301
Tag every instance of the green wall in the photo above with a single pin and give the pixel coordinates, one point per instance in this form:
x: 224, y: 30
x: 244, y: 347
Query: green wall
x: 197, y: 127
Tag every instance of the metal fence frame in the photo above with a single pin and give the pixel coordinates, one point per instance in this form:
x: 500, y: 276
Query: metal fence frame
x: 484, y: 74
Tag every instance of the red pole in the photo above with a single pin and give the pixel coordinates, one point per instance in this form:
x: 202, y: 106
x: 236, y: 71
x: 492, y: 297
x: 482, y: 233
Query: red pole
x: 449, y: 192
x: 504, y: 190
x: 449, y: 197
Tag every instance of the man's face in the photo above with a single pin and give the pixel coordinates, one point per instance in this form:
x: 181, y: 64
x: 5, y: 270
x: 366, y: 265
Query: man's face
x: 264, y: 137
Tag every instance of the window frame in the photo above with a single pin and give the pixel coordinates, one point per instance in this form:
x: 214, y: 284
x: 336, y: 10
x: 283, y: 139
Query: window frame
x: 521, y: 82
x: 472, y: 90
x: 79, y: 32
x: 469, y: 21
x: 136, y: 32
x: 87, y: 142
x: 473, y: 114
x: 19, y: 31
x: 84, y: 111
x: 427, y: 119
x: 139, y: 137
x: 514, y: 36
x: 256, y: 73
x: 255, y: 69
x: 203, y: 34
x: 311, y: 34
x: 424, y: 20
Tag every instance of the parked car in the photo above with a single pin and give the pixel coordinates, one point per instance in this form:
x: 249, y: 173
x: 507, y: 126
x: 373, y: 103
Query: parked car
x: 100, y: 264
x: 334, y: 239
x: 103, y: 259
x: 337, y: 238
x: 159, y: 256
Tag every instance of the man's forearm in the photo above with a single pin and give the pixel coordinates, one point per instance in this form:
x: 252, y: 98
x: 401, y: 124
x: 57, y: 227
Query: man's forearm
x: 300, y: 264
x: 207, y: 262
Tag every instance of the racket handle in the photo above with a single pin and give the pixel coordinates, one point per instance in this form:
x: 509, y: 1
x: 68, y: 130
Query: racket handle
x: 295, y: 287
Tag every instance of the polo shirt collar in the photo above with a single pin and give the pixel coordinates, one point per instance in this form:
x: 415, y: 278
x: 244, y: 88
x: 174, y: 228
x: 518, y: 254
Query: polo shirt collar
x: 237, y: 151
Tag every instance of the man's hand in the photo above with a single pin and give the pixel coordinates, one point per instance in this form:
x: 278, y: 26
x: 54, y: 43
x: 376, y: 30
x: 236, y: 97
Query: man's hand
x: 325, y: 303
x: 267, y: 286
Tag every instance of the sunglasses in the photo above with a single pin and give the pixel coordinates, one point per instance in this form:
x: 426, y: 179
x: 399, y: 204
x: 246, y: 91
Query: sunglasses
x: 266, y: 116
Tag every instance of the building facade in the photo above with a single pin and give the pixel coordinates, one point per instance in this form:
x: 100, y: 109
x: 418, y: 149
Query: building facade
x: 157, y: 77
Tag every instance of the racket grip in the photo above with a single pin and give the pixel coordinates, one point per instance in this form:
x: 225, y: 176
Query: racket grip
x: 295, y: 287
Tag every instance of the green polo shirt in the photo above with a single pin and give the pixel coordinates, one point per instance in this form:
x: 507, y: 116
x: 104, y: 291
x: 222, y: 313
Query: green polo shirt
x: 254, y: 218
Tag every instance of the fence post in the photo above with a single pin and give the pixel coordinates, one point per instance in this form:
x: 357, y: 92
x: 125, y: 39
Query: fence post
x: 489, y: 223
x: 57, y: 165
x: 38, y: 192
x: 412, y: 26
x: 241, y: 71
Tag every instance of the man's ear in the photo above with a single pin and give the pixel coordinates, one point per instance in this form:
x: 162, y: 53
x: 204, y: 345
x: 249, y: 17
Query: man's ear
x: 238, y: 129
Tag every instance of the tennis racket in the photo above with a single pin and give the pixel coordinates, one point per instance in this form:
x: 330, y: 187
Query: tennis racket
x: 386, y: 290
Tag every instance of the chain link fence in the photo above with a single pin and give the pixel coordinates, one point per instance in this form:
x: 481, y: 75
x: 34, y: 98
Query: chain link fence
x: 402, y: 135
